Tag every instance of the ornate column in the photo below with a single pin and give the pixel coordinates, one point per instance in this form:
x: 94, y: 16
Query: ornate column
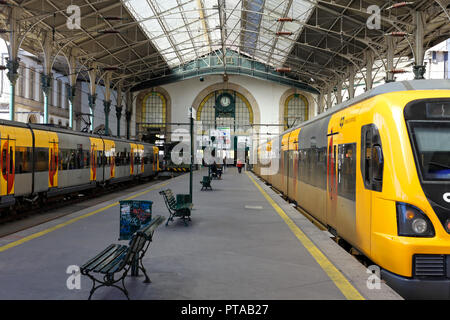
x: 351, y: 82
x: 419, y: 52
x: 118, y: 116
x: 13, y: 66
x: 91, y: 100
x: 129, y: 111
x: 13, y: 63
x: 46, y: 77
x: 128, y: 114
x: 369, y: 68
x: 71, y: 89
x: 107, y: 109
x: 390, y: 59
x: 46, y: 81
x: 107, y: 100
x: 119, y: 106
x: 92, y: 96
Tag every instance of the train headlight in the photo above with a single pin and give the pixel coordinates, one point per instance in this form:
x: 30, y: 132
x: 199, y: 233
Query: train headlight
x: 412, y: 222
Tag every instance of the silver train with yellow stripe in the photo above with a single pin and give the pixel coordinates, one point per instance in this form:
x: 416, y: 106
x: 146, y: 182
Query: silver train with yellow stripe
x: 376, y: 171
x: 38, y: 162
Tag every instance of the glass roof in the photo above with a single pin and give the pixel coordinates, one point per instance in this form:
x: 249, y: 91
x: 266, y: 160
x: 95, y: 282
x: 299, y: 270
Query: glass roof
x: 183, y: 30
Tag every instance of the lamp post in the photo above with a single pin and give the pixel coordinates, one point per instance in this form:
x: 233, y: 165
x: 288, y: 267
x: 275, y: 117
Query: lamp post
x: 191, y: 165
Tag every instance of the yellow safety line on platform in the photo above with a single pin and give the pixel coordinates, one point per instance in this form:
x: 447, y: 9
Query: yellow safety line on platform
x: 338, y: 278
x: 41, y: 233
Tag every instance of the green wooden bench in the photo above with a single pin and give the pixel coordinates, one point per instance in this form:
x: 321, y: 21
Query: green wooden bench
x: 119, y: 259
x: 176, y: 208
x: 206, y: 183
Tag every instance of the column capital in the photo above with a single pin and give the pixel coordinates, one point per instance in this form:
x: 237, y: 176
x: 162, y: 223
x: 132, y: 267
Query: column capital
x: 46, y: 81
x: 13, y: 67
x: 128, y: 114
x: 91, y: 100
x: 107, y: 105
x: 419, y: 72
x: 118, y: 111
x: 71, y: 90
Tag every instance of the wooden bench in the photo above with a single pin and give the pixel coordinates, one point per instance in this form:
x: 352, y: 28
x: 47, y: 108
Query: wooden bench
x: 176, y: 209
x: 206, y: 183
x: 119, y: 259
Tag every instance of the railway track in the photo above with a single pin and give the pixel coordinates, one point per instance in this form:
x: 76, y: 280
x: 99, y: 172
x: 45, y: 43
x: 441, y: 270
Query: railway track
x: 38, y: 213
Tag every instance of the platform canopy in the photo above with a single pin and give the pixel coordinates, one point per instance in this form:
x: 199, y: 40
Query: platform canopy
x: 312, y: 41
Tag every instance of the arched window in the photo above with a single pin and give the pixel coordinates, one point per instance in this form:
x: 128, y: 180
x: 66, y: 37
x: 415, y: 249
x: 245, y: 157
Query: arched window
x: 295, y: 110
x: 154, y: 110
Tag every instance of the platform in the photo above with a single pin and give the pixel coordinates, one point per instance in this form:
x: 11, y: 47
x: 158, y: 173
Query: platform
x: 244, y: 242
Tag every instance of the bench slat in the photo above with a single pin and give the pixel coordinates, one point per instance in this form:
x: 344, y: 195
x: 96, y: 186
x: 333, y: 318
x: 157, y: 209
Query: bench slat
x: 116, y: 263
x: 156, y: 221
x: 97, y: 256
x: 100, y: 257
x: 111, y: 257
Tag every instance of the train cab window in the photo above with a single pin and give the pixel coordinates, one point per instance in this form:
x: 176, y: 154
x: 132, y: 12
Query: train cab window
x: 372, y: 160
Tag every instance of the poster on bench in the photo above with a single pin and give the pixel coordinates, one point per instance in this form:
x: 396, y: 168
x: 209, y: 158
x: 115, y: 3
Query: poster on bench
x: 134, y: 215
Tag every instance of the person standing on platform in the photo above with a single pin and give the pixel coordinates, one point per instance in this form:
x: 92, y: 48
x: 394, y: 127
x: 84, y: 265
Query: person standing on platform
x: 224, y: 163
x: 239, y: 165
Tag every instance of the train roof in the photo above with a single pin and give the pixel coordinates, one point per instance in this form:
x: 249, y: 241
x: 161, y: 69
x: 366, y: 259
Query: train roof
x: 51, y: 128
x: 382, y: 89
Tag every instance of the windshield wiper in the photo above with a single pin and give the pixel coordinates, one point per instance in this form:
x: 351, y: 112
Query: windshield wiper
x: 445, y: 166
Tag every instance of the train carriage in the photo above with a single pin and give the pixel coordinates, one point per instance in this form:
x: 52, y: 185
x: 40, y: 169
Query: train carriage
x: 376, y: 171
x: 39, y: 162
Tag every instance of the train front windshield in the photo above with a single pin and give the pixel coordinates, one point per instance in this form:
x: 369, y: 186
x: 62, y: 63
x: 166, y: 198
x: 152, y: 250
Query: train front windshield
x: 432, y: 147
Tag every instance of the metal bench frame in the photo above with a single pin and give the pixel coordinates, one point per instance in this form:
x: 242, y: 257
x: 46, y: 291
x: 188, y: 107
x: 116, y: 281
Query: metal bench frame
x: 206, y: 183
x: 175, y: 209
x: 118, y: 258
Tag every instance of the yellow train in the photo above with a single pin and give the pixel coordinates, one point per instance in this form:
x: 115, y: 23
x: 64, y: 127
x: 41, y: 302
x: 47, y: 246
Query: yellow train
x: 376, y: 171
x: 38, y: 162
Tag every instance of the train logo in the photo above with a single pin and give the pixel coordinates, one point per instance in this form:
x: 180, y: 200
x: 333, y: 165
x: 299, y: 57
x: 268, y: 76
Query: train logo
x: 446, y: 197
x: 341, y: 123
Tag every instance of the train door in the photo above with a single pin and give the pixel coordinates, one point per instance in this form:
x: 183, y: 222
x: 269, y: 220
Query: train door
x: 332, y: 182
x: 132, y: 159
x: 284, y: 163
x: 8, y: 162
x: 155, y: 159
x: 53, y: 163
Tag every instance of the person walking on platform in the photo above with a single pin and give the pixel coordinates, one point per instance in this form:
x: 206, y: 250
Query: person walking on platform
x: 239, y: 165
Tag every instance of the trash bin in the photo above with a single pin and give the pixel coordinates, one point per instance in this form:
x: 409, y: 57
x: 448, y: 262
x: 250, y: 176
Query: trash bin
x: 134, y: 214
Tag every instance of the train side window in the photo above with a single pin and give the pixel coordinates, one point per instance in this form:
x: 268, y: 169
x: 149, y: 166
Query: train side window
x: 372, y: 160
x: 4, y: 162
x: 11, y: 160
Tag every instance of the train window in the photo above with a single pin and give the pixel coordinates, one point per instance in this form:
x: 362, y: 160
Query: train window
x: 23, y: 160
x: 41, y: 159
x: 347, y: 171
x: 372, y: 161
x: 4, y: 161
x: 11, y: 160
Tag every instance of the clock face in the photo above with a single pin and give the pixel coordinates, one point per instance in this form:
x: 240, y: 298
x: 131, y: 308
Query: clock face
x: 225, y: 101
